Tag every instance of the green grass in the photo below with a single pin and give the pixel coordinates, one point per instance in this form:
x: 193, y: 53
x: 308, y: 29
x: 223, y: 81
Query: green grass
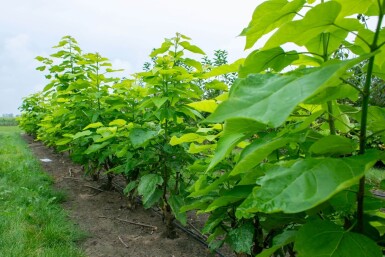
x: 32, y: 222
x: 375, y: 176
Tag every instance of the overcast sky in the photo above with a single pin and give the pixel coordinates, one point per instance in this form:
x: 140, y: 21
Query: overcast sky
x: 125, y: 31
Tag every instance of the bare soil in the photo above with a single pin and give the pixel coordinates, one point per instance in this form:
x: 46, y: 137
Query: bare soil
x: 104, y: 215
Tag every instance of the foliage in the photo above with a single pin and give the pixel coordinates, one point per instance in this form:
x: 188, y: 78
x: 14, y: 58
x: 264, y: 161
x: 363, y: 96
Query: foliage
x: 294, y: 147
x: 5, y: 121
x: 278, y: 161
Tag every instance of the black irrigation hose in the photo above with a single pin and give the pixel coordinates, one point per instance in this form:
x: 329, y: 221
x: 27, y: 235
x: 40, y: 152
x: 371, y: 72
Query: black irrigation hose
x: 187, y: 231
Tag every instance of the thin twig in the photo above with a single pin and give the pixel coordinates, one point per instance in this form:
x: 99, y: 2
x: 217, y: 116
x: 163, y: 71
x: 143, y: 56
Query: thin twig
x: 121, y: 240
x: 138, y: 223
x: 94, y: 188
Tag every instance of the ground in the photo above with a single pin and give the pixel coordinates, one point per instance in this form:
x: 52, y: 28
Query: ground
x: 105, y: 218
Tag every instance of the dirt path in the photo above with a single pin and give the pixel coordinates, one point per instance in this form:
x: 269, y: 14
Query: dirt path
x: 98, y: 213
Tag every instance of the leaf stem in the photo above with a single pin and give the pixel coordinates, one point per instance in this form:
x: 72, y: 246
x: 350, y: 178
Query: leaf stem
x: 332, y: 125
x: 325, y: 40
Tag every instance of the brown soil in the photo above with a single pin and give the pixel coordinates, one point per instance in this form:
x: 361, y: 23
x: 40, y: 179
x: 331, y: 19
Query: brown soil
x: 103, y: 215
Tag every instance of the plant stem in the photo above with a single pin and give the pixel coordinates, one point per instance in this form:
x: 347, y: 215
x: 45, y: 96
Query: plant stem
x: 325, y: 42
x: 332, y: 125
x: 364, y: 118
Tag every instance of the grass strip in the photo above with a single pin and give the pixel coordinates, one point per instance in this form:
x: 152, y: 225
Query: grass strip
x: 32, y: 223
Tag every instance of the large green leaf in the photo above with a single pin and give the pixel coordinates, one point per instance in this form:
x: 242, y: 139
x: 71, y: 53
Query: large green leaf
x: 241, y: 239
x: 147, y: 187
x: 270, y: 98
x: 305, y: 184
x: 333, y: 145
x: 350, y: 7
x: 326, y: 42
x: 235, y: 130
x: 204, y: 105
x: 268, y: 16
x: 274, y: 58
x: 318, y: 22
x: 254, y: 153
x: 176, y: 202
x: 326, y: 239
x: 139, y: 137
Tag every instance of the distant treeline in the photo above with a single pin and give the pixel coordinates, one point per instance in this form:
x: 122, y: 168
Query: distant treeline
x: 5, y: 121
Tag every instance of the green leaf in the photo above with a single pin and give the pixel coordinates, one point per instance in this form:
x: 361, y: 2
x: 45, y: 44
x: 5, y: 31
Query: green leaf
x: 159, y: 101
x: 193, y: 63
x: 217, y: 85
x: 224, y: 69
x: 334, y: 39
x: 130, y: 186
x: 194, y: 148
x: 231, y: 196
x: 204, y: 106
x: 279, y: 241
x: 306, y: 184
x: 235, y: 130
x: 323, y: 238
x: 63, y: 141
x: 376, y: 120
x: 202, y: 188
x: 257, y: 151
x: 94, y: 125
x: 192, y: 48
x: 268, y: 16
x: 96, y: 147
x: 164, y: 48
x: 317, y: 20
x: 140, y: 137
x: 274, y: 58
x: 241, y: 239
x: 270, y: 98
x: 189, y: 137
x: 118, y: 122
x: 333, y: 145
x: 147, y: 188
x: 41, y: 68
x: 82, y: 134
x: 176, y: 203
x: 350, y: 7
